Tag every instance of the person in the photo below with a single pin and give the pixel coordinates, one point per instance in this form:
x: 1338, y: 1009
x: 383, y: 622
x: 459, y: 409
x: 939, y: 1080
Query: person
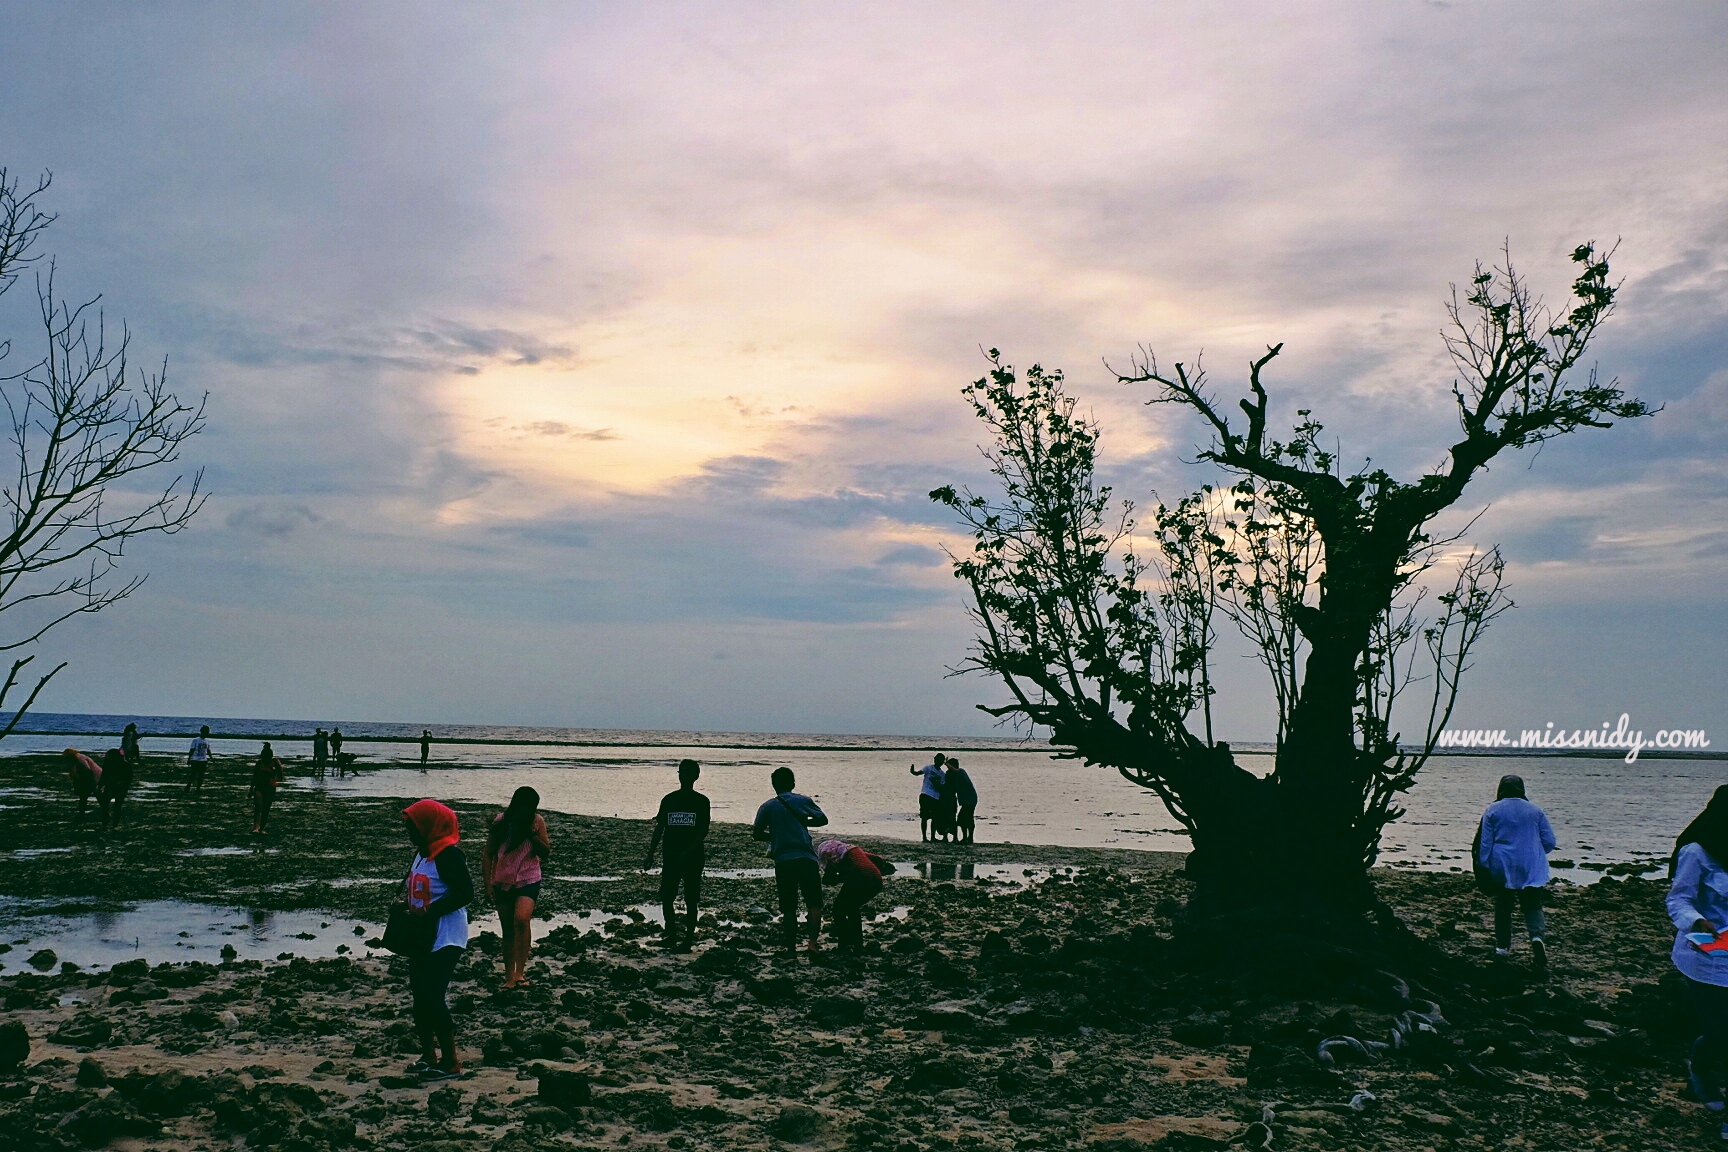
x: 946, y: 824
x: 129, y: 745
x: 929, y: 794
x: 682, y: 824
x: 859, y: 874
x: 320, y: 751
x: 516, y: 846
x: 1698, y: 902
x: 117, y: 779
x: 336, y: 751
x: 266, y: 776
x: 1515, y: 841
x: 198, y: 759
x: 965, y: 797
x: 439, y: 885
x: 425, y: 744
x: 785, y: 822
x: 86, y: 779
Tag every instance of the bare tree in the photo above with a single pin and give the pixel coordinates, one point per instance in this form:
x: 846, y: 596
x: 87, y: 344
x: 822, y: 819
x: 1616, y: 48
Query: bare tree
x: 86, y: 426
x: 1322, y: 571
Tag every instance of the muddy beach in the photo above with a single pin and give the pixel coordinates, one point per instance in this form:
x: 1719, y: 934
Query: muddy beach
x: 1038, y: 999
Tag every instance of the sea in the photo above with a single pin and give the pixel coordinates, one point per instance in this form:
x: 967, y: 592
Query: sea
x: 1605, y: 812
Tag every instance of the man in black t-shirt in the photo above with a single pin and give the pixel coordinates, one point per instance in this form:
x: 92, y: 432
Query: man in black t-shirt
x: 683, y: 825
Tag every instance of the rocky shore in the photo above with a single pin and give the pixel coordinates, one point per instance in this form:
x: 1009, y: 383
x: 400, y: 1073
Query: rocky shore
x: 1052, y: 1011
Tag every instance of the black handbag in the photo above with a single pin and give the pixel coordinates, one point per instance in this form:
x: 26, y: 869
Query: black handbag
x: 409, y: 935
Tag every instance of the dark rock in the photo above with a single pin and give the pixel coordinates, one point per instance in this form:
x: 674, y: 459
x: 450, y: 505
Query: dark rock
x: 91, y: 1074
x: 84, y: 1031
x: 14, y: 1045
x: 1200, y: 1031
x: 563, y: 1088
x: 839, y: 1011
x: 547, y: 1117
x: 444, y: 1102
x: 798, y: 1124
x: 948, y: 1016
x: 43, y: 960
x: 170, y: 1093
x: 104, y: 1118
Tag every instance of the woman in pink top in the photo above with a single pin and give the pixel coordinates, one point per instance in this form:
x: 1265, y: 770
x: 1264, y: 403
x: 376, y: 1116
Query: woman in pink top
x: 515, y: 848
x: 86, y: 778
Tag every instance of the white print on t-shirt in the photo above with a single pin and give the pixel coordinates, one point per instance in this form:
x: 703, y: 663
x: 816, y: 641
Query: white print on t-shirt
x: 681, y: 819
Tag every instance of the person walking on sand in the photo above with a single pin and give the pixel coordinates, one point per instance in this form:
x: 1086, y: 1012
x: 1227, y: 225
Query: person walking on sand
x: 516, y: 846
x: 425, y: 745
x: 1515, y: 839
x: 86, y: 778
x: 117, y: 779
x: 320, y: 751
x: 440, y: 886
x: 929, y: 795
x: 965, y: 797
x: 129, y: 746
x: 682, y: 825
x: 1698, y: 906
x: 266, y: 777
x: 198, y: 759
x: 859, y: 874
x: 785, y: 822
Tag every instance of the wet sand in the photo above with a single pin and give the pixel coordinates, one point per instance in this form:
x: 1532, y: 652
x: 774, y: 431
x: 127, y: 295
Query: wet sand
x: 986, y: 1014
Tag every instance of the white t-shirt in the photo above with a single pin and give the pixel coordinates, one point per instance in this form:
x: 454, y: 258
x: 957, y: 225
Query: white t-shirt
x: 424, y: 887
x: 200, y: 749
x: 933, y: 778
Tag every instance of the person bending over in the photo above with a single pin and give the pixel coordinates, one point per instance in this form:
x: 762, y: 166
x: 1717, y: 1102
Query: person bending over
x: 116, y: 782
x: 859, y: 874
x: 682, y: 825
x: 785, y: 822
x: 86, y: 778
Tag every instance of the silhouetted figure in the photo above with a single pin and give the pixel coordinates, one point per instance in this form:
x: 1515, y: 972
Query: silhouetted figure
x: 117, y: 777
x: 785, y: 822
x: 516, y: 846
x: 929, y: 794
x: 425, y: 744
x: 1698, y: 903
x: 129, y: 745
x: 682, y: 824
x: 336, y: 751
x: 965, y: 795
x: 198, y: 759
x: 320, y: 751
x: 266, y: 776
x: 1515, y: 842
x: 86, y: 778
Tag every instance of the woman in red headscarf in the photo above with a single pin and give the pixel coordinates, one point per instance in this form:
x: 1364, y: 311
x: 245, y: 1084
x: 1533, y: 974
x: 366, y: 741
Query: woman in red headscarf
x: 439, y: 885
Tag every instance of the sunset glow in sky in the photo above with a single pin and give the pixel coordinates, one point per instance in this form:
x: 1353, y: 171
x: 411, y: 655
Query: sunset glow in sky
x: 589, y: 364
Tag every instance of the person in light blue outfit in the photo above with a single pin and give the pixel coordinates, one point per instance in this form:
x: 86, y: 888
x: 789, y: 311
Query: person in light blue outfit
x: 1516, y: 840
x: 1698, y: 903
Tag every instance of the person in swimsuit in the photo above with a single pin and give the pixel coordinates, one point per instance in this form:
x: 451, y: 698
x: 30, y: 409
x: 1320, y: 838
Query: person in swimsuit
x: 266, y: 775
x: 86, y: 778
x: 516, y: 846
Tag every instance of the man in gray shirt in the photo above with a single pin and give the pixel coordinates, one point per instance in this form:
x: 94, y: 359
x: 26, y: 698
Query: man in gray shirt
x: 785, y: 822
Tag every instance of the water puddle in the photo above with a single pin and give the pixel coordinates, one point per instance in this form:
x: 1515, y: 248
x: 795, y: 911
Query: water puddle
x: 236, y: 850
x: 28, y: 853
x: 175, y: 930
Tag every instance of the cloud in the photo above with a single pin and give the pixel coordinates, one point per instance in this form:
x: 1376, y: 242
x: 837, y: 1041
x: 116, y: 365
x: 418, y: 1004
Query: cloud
x: 612, y: 326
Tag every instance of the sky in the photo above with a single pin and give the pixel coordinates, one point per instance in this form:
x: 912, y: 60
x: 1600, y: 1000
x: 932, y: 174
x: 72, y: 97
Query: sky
x: 589, y: 364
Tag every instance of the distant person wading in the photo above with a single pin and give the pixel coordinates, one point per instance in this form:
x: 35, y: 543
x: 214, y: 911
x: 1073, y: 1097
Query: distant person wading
x: 266, y: 777
x: 198, y: 759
